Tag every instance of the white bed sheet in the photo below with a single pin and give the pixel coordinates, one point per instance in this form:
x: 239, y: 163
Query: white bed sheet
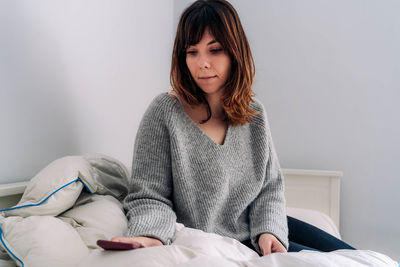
x: 196, y: 248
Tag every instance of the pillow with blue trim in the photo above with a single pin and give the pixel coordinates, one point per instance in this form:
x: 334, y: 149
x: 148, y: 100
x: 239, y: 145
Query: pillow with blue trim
x: 55, y: 188
x: 42, y: 241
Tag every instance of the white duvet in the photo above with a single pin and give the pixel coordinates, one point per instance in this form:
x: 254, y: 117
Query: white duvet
x: 194, y: 248
x: 75, y: 201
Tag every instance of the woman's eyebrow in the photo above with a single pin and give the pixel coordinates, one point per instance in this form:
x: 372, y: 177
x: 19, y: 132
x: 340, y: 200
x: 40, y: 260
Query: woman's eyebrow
x: 209, y: 43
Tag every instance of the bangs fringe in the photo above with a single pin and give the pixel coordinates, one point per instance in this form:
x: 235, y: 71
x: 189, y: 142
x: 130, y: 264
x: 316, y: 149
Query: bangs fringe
x: 196, y: 24
x: 222, y: 20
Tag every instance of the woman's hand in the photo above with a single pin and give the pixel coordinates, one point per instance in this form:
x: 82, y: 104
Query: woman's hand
x: 141, y: 241
x: 270, y: 244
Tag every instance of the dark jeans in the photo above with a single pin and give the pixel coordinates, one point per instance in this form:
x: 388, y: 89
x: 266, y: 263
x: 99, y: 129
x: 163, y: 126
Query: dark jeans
x: 306, y: 236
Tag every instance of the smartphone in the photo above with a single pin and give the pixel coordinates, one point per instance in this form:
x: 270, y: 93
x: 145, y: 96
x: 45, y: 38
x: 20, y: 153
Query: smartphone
x: 113, y: 245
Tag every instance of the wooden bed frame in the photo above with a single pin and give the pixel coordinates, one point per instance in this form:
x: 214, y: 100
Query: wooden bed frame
x: 307, y: 189
x: 315, y: 190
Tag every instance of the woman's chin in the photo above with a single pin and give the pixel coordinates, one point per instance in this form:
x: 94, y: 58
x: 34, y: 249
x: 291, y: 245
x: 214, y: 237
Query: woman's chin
x: 212, y: 91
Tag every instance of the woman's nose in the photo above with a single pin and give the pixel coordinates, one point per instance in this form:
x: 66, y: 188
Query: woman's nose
x: 204, y: 62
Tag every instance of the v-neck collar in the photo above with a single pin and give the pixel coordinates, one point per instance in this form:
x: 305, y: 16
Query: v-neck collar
x: 198, y: 129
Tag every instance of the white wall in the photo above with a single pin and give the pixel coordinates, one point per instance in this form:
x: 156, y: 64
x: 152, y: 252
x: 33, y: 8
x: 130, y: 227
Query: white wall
x: 76, y: 76
x: 328, y: 73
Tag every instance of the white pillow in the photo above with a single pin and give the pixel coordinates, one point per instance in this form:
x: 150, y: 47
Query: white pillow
x: 96, y: 217
x: 54, y: 189
x: 57, y: 186
x: 26, y: 240
x: 316, y: 218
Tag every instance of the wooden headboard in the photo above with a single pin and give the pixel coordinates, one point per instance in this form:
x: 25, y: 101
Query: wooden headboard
x: 307, y: 189
x: 315, y: 190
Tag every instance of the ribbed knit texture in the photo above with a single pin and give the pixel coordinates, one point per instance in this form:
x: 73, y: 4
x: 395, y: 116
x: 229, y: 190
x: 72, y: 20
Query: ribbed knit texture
x: 180, y: 174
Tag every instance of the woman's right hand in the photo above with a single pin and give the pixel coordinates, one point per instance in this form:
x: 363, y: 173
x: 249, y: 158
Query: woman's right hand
x: 141, y: 241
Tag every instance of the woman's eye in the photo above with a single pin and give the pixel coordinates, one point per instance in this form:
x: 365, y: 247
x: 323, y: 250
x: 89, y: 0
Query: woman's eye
x: 214, y: 51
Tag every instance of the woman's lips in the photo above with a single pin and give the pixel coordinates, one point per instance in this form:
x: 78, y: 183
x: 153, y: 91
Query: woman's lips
x: 207, y: 78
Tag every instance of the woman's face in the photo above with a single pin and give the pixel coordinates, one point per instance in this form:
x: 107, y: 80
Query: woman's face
x: 209, y: 64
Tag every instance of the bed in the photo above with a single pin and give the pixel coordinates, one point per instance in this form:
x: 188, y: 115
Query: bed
x: 311, y: 195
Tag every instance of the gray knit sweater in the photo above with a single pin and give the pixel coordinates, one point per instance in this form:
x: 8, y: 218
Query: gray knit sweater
x: 180, y: 174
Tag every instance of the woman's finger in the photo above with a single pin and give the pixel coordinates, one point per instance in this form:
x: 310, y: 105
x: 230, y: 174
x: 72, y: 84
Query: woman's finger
x: 266, y: 248
x: 278, y: 247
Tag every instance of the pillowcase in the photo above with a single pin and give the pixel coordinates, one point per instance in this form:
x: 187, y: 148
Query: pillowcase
x: 54, y: 189
x: 26, y: 240
x: 96, y: 217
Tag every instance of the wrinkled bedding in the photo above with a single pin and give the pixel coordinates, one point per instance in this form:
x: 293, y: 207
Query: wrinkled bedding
x: 76, y: 200
x: 65, y: 209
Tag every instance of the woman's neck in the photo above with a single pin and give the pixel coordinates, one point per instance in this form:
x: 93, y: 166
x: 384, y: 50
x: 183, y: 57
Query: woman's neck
x: 215, y: 102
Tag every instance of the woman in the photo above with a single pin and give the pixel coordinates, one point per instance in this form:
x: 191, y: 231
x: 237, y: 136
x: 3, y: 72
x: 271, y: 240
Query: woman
x: 203, y: 153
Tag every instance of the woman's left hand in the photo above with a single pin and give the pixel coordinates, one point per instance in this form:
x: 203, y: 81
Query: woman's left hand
x: 270, y: 244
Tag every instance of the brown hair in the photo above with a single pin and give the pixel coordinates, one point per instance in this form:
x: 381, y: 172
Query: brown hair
x: 222, y: 20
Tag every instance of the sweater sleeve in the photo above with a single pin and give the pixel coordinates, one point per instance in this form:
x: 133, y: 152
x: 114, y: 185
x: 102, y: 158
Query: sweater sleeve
x: 267, y: 213
x: 148, y: 205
